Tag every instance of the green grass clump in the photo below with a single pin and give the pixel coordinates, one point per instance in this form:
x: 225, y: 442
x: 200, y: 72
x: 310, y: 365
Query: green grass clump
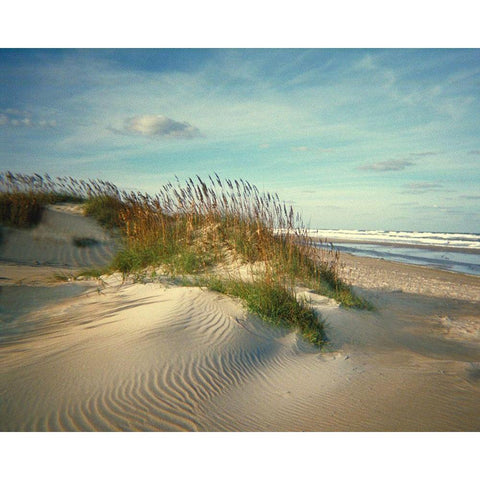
x: 94, y: 272
x: 276, y: 304
x: 176, y: 260
x: 106, y: 209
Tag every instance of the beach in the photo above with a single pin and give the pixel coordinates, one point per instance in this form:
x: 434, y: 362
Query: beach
x: 129, y: 354
x: 378, y: 274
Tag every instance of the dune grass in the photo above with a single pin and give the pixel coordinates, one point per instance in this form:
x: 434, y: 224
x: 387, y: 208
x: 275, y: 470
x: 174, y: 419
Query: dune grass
x: 20, y: 209
x: 105, y: 209
x: 23, y: 198
x: 94, y: 272
x: 191, y: 228
x: 276, y: 304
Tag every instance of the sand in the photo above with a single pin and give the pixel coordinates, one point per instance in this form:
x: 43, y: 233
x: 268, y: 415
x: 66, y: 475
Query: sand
x: 35, y: 256
x: 378, y: 274
x: 124, y: 356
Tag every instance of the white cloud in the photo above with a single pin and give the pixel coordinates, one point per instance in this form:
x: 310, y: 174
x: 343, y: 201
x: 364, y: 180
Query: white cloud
x: 387, y: 166
x: 158, y: 126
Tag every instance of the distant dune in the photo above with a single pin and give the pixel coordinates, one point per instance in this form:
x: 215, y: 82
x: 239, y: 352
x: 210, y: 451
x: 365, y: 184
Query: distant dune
x: 52, y: 242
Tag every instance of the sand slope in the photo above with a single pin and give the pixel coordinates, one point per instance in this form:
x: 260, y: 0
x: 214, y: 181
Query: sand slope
x: 150, y: 357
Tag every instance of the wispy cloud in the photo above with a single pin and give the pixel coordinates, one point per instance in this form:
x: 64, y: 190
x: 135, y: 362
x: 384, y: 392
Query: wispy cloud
x: 387, y: 166
x: 404, y: 204
x: 11, y: 117
x: 325, y: 150
x: 422, y: 187
x: 423, y: 154
x: 330, y: 206
x: 158, y: 126
x: 365, y: 63
x: 470, y: 197
x: 302, y: 148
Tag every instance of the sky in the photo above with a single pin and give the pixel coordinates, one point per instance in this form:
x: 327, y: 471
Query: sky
x: 383, y: 139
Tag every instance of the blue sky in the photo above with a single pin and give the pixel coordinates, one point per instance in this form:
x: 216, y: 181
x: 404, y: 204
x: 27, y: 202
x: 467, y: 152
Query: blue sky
x: 352, y: 138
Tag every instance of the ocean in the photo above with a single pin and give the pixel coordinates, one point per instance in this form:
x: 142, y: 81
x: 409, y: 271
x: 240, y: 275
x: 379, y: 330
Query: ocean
x: 456, y: 252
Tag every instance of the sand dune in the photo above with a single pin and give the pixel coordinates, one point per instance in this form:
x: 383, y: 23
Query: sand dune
x: 117, y: 356
x: 51, y: 243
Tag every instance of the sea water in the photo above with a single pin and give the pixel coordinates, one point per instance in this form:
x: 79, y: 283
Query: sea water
x: 457, y: 252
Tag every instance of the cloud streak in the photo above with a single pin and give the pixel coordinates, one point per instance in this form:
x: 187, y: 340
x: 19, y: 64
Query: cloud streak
x: 423, y: 187
x: 302, y: 148
x: 470, y: 197
x: 423, y: 154
x: 387, y: 166
x: 11, y: 117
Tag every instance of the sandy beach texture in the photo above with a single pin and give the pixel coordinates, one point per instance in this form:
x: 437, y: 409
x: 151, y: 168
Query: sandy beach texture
x: 126, y: 356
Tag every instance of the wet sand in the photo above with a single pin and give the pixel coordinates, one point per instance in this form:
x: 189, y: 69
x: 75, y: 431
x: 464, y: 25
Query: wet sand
x: 124, y: 356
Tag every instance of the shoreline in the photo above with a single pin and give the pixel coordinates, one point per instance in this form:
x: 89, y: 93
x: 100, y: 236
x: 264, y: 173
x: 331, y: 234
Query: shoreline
x: 437, y: 248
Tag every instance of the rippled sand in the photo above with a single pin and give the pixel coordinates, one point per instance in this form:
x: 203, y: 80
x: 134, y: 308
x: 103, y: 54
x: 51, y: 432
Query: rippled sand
x: 153, y: 357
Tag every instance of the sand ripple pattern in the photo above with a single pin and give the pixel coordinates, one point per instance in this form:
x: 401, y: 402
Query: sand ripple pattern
x: 174, y: 368
x: 151, y: 358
